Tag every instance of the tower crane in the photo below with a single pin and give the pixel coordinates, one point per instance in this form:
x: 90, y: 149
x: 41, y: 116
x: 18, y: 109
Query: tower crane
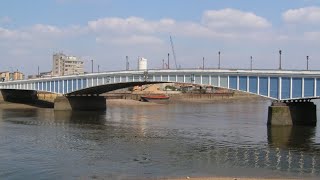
x: 173, y: 52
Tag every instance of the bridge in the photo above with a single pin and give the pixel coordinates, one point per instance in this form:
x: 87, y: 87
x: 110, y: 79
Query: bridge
x: 290, y: 89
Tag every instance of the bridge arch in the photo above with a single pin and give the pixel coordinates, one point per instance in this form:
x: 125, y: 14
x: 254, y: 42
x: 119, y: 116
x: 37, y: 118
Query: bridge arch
x: 273, y: 84
x: 280, y: 85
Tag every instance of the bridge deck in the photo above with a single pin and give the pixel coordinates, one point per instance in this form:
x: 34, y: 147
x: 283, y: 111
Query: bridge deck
x: 277, y: 85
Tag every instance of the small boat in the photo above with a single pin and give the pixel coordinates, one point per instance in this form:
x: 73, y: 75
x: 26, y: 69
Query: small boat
x: 155, y: 98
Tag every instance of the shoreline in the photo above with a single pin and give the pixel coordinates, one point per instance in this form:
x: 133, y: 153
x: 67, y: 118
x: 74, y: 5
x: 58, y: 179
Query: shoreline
x: 129, y: 102
x: 11, y: 105
x: 132, y: 102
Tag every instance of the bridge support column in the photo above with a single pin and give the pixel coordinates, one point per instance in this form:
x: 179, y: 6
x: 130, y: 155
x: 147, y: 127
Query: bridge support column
x: 1, y: 96
x: 68, y: 103
x: 292, y: 113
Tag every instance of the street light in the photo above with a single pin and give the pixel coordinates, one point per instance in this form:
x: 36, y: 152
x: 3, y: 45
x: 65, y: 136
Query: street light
x: 127, y: 63
x: 168, y: 61
x: 251, y: 62
x: 203, y: 63
x: 280, y: 53
x: 98, y: 68
x: 307, y: 63
x: 162, y: 63
x: 91, y: 65
x: 219, y: 53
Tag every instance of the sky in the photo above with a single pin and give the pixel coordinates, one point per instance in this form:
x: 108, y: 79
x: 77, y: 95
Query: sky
x: 106, y: 31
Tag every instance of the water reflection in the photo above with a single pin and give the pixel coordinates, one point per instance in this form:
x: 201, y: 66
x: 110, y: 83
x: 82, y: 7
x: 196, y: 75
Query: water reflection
x: 80, y: 117
x: 294, y: 148
x: 291, y: 137
x: 174, y: 140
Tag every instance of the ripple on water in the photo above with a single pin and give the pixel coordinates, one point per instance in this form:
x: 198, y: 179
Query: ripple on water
x: 205, y: 140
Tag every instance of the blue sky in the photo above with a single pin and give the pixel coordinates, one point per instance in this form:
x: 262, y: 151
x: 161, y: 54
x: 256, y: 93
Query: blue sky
x: 108, y: 30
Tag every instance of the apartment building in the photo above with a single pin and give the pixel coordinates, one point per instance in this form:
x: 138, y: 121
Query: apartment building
x: 11, y: 76
x: 5, y: 76
x: 66, y: 65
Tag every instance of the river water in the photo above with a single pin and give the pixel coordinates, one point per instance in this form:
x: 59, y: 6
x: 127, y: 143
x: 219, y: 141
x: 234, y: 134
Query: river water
x: 175, y: 140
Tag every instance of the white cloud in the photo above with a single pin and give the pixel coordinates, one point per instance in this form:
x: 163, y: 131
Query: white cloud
x: 312, y: 35
x: 129, y: 25
x: 12, y: 34
x: 302, y: 15
x: 232, y: 18
x: 217, y: 29
x: 5, y: 20
x: 34, y: 32
x: 5, y: 33
x: 78, y: 1
x: 214, y: 25
x: 41, y: 28
x: 137, y: 40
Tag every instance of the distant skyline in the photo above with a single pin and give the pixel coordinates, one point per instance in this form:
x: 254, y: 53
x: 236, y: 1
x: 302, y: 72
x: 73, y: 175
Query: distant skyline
x: 109, y: 30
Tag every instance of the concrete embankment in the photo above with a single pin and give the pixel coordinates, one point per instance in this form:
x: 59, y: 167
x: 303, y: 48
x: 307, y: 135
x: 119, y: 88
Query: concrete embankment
x: 129, y: 102
x: 190, y: 97
x: 45, y: 100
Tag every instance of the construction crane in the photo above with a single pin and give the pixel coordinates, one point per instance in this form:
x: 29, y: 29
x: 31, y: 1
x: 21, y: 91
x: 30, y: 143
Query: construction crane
x: 173, y: 52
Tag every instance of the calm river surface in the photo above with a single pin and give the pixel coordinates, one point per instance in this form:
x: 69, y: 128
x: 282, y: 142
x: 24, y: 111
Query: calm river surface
x: 176, y: 140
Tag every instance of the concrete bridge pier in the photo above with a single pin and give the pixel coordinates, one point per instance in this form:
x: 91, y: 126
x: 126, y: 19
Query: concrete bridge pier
x: 69, y: 103
x: 301, y: 113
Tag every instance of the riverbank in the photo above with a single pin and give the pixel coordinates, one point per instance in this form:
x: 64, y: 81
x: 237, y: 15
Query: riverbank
x: 131, y: 102
x: 31, y: 105
x: 10, y: 105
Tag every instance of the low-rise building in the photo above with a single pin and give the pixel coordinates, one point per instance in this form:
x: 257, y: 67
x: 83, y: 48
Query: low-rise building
x: 33, y: 76
x: 46, y: 74
x: 5, y: 76
x: 11, y: 76
x: 18, y: 75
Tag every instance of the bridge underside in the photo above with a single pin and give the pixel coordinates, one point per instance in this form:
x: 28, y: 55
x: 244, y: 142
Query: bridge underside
x: 28, y: 97
x: 22, y: 96
x: 107, y: 88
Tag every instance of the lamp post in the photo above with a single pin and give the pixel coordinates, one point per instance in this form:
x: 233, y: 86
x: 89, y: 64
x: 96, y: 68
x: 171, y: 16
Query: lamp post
x: 251, y: 62
x: 203, y: 63
x: 307, y: 63
x: 219, y: 53
x: 98, y: 68
x: 168, y: 61
x: 91, y: 65
x: 162, y: 63
x: 280, y: 53
x: 127, y: 63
